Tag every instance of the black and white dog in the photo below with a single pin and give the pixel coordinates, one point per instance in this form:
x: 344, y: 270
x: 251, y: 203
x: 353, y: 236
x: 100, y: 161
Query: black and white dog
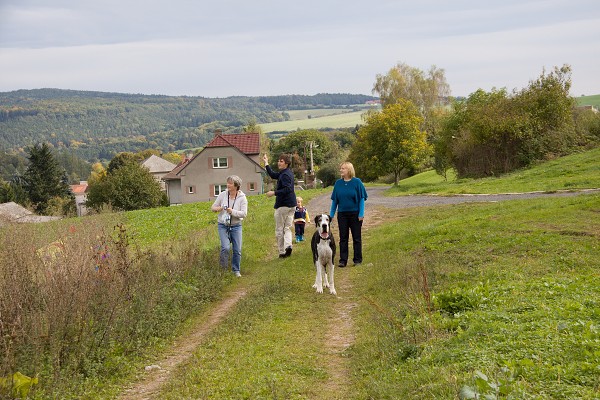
x: 323, y: 249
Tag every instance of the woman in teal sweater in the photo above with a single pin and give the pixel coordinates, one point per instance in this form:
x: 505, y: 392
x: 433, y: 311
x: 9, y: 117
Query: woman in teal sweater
x: 348, y: 197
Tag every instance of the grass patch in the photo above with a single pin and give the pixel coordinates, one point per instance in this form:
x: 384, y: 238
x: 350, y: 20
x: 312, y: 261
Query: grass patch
x: 577, y: 171
x: 490, y: 288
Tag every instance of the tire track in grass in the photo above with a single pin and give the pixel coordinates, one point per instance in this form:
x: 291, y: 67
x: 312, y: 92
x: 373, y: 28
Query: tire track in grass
x: 183, y: 348
x: 340, y: 332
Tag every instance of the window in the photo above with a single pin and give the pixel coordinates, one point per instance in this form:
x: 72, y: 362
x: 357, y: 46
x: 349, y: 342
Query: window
x: 191, y: 189
x: 219, y: 189
x: 251, y: 186
x: 220, y: 162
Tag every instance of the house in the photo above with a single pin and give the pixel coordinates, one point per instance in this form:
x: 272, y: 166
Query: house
x: 158, y: 167
x: 80, y: 193
x: 203, y: 176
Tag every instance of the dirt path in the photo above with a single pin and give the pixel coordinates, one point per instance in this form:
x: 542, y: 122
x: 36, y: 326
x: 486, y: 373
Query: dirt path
x: 340, y: 332
x: 157, y: 374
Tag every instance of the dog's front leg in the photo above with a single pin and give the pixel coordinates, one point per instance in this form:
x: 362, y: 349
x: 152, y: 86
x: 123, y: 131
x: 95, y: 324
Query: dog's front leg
x: 331, y: 285
x: 319, y: 279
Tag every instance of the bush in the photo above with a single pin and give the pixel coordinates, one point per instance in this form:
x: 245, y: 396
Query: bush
x: 493, y: 133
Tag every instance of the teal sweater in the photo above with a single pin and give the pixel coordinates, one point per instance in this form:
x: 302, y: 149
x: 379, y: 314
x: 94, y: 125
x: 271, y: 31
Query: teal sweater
x: 348, y: 196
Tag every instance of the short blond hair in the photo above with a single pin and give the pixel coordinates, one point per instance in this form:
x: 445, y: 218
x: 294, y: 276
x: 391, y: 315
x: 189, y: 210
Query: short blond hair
x: 350, y: 167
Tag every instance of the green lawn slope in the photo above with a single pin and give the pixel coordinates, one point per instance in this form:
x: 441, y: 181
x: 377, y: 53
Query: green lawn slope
x: 577, y: 171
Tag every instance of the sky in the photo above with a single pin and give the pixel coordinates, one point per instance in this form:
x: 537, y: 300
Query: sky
x: 277, y: 47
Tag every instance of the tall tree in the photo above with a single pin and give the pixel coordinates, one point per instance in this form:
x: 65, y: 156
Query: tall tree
x: 254, y: 127
x: 299, y: 145
x: 129, y: 187
x: 44, y: 179
x: 430, y: 92
x: 390, y: 140
x: 426, y: 91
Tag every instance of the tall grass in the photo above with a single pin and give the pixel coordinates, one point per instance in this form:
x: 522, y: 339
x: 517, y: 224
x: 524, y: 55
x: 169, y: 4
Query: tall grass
x: 81, y: 302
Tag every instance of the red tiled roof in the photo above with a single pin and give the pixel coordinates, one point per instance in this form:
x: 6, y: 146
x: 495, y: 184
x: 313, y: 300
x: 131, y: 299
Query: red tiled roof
x: 247, y: 143
x: 78, y: 189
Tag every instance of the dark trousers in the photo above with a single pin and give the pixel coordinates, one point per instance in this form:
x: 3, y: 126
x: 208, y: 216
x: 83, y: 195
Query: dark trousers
x: 349, y: 222
x: 299, y: 229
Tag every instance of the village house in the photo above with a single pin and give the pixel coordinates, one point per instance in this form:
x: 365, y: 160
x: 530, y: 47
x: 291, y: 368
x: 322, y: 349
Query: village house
x: 80, y: 193
x: 158, y: 168
x: 203, y: 176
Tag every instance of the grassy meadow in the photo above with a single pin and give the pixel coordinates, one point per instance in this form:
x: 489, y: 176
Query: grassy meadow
x: 593, y: 100
x: 496, y: 299
x: 343, y: 120
x: 315, y: 113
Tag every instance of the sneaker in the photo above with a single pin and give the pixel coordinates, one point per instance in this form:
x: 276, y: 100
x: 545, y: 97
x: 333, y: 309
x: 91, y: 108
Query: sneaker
x: 288, y: 252
x: 237, y: 274
x: 341, y: 265
x: 356, y: 264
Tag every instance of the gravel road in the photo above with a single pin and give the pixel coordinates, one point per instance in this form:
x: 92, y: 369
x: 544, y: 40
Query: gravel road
x: 376, y: 198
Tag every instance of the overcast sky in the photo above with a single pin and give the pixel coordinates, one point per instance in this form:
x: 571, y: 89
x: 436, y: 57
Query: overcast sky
x: 274, y: 47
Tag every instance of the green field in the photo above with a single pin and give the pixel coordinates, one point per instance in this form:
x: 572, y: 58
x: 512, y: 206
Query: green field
x: 296, y: 115
x: 345, y: 120
x: 589, y: 100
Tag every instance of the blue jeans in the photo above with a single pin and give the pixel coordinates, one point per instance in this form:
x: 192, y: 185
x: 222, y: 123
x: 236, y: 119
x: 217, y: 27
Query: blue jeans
x: 231, y: 236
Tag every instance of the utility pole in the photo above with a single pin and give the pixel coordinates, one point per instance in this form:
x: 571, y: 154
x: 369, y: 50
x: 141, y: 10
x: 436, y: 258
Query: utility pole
x: 312, y: 170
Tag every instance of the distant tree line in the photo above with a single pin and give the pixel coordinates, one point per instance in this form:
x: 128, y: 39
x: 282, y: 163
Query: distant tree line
x: 96, y: 126
x: 321, y: 100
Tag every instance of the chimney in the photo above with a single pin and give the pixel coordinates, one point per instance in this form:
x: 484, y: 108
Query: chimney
x: 218, y: 132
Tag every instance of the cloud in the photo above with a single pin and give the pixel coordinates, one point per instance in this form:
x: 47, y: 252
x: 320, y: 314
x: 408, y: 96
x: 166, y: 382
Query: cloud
x: 225, y: 48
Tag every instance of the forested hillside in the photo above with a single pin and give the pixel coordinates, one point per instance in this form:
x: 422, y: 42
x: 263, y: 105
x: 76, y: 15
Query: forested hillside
x: 97, y: 125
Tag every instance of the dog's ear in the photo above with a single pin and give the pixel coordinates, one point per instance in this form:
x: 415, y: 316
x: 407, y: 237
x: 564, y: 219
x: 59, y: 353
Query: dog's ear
x: 317, y: 219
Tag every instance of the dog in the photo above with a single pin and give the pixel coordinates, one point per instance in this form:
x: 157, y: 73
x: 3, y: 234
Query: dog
x: 323, y: 250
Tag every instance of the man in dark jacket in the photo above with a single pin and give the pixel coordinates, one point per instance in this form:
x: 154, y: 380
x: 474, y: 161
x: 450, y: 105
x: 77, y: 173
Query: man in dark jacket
x: 285, y: 202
